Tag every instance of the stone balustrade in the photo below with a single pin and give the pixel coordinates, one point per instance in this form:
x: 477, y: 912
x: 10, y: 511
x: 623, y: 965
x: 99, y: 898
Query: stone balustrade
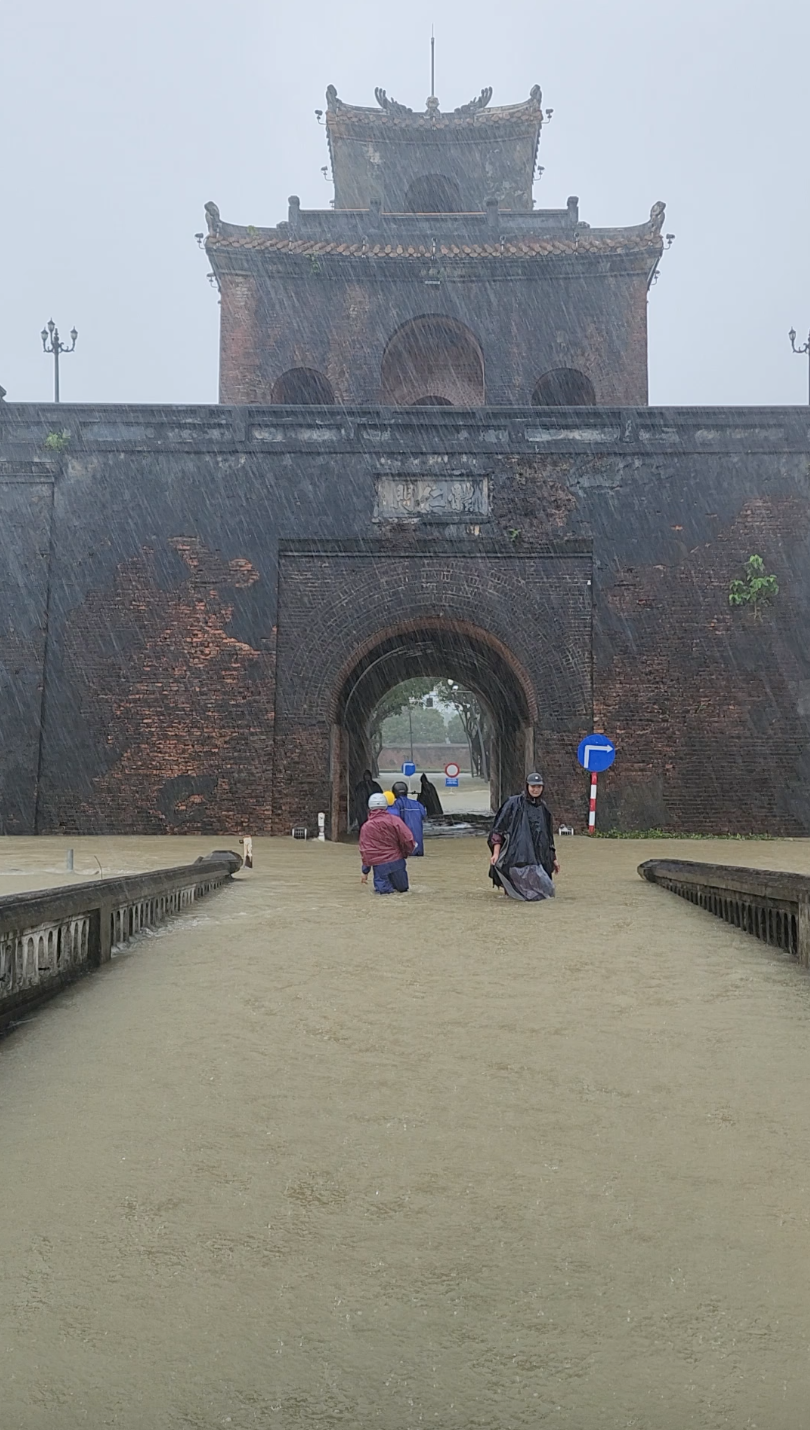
x: 770, y: 904
x: 52, y: 936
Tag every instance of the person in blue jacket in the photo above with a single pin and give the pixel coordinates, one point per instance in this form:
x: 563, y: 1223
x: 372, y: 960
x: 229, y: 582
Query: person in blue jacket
x: 411, y: 812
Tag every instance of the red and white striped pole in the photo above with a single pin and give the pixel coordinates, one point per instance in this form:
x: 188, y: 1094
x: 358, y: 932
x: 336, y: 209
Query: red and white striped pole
x: 592, y: 808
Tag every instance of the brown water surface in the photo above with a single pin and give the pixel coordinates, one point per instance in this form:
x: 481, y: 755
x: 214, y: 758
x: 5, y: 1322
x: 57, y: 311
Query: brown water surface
x: 310, y: 1158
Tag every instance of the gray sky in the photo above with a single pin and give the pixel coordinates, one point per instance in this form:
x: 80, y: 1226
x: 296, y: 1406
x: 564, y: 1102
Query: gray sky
x: 120, y: 120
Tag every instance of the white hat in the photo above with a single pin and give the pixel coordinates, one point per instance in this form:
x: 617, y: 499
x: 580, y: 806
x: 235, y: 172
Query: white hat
x: 377, y: 801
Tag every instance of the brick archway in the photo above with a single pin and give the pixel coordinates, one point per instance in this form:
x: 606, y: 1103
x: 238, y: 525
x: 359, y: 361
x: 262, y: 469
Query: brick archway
x: 434, y: 359
x: 435, y: 647
x: 357, y: 617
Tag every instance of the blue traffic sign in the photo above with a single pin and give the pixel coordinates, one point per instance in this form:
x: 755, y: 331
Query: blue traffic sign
x: 596, y: 753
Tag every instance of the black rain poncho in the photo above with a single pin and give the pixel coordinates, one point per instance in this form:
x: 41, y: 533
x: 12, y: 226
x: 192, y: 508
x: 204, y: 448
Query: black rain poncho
x: 363, y: 791
x: 429, y: 799
x: 526, y: 859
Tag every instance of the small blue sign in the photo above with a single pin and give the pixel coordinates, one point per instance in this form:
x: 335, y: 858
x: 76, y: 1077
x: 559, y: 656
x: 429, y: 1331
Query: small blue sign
x: 596, y: 753
x: 409, y: 768
x: 450, y: 783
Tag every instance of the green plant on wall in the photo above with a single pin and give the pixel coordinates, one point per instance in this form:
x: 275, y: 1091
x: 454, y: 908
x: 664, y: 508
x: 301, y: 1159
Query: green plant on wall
x: 756, y: 590
x: 57, y: 441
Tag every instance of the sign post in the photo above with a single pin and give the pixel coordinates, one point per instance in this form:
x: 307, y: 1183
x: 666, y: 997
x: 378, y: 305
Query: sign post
x: 451, y: 773
x: 592, y: 805
x: 595, y: 753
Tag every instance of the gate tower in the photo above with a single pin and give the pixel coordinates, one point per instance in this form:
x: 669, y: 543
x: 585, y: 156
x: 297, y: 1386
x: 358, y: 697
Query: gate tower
x: 433, y: 279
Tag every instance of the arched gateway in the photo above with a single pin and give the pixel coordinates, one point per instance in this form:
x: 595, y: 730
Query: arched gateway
x: 439, y: 647
x: 357, y: 618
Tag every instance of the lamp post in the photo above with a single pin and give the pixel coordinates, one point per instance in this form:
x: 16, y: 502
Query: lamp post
x: 52, y: 343
x: 803, y: 351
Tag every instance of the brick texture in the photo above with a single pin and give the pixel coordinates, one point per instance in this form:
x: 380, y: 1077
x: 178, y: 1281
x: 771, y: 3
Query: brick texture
x: 517, y: 628
x: 182, y: 710
x: 151, y: 579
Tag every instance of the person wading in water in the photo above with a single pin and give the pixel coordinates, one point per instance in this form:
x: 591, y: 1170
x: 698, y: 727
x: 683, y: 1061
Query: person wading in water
x: 428, y: 797
x: 363, y: 791
x: 385, y: 843
x: 411, y: 812
x: 522, y: 843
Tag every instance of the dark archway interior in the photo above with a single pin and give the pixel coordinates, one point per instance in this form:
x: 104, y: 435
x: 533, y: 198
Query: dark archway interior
x: 433, y: 362
x: 302, y: 387
x: 433, y: 194
x: 438, y: 652
x: 564, y: 387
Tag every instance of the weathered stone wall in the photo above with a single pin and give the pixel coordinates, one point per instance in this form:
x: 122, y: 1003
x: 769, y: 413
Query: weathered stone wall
x: 529, y: 614
x: 141, y: 575
x: 26, y: 499
x: 337, y: 315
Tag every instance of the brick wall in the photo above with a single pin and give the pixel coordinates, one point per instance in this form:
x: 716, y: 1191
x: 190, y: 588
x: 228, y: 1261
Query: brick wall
x: 26, y: 501
x: 158, y: 573
x: 430, y: 758
x: 526, y: 323
x: 178, y: 708
x: 529, y: 614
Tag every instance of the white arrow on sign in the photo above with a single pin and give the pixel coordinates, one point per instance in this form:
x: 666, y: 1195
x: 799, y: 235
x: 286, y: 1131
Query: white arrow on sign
x: 606, y: 748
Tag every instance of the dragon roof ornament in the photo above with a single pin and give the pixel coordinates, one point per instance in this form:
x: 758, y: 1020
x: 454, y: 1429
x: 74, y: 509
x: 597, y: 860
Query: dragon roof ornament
x: 392, y: 109
x: 476, y: 104
x: 391, y: 106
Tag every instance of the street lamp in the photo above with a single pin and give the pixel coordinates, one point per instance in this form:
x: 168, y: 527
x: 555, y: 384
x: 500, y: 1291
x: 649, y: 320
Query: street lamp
x: 801, y: 352
x: 52, y: 343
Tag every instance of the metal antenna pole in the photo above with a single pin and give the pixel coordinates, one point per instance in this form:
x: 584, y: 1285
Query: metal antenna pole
x: 432, y: 65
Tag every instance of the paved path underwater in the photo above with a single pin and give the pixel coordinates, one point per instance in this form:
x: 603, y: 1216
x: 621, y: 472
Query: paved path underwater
x: 310, y: 1158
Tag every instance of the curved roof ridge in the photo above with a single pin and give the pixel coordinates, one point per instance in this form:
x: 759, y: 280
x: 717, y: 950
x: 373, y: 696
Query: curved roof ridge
x: 476, y: 111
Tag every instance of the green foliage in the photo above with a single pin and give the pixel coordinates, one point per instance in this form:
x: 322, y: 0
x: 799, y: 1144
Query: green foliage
x: 474, y: 724
x: 314, y: 264
x: 409, y: 692
x: 428, y: 727
x: 252, y: 230
x: 456, y: 733
x: 57, y: 441
x: 756, y: 590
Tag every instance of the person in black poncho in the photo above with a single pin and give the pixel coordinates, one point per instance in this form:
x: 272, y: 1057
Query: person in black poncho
x: 523, y: 856
x: 363, y: 791
x: 429, y: 799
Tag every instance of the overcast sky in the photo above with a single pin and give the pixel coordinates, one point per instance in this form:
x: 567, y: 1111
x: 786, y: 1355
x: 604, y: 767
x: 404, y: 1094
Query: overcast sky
x: 119, y: 120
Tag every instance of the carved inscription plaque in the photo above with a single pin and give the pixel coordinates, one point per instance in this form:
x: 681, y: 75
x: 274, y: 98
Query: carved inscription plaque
x: 449, y: 498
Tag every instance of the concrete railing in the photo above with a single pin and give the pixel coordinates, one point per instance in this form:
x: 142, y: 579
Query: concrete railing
x: 52, y: 936
x: 770, y: 904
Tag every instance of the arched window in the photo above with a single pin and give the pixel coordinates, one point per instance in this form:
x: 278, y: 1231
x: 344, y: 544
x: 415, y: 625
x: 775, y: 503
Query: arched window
x: 433, y: 362
x: 433, y: 194
x: 564, y: 387
x: 301, y: 387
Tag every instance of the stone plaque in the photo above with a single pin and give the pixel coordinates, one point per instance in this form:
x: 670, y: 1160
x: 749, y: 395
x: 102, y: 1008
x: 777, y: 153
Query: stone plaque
x: 447, y: 498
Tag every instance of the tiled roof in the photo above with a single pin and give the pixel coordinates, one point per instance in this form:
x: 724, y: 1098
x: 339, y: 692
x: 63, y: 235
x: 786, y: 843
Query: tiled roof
x: 391, y: 114
x: 589, y: 241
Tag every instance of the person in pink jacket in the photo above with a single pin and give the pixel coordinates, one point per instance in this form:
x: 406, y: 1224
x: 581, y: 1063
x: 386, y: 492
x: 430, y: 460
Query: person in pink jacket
x: 385, y: 843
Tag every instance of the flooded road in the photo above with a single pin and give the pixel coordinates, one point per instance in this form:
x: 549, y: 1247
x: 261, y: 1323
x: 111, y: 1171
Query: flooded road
x: 310, y: 1158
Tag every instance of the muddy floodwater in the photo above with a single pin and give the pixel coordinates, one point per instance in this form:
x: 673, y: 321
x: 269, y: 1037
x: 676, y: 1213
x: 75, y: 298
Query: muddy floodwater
x: 308, y: 1158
